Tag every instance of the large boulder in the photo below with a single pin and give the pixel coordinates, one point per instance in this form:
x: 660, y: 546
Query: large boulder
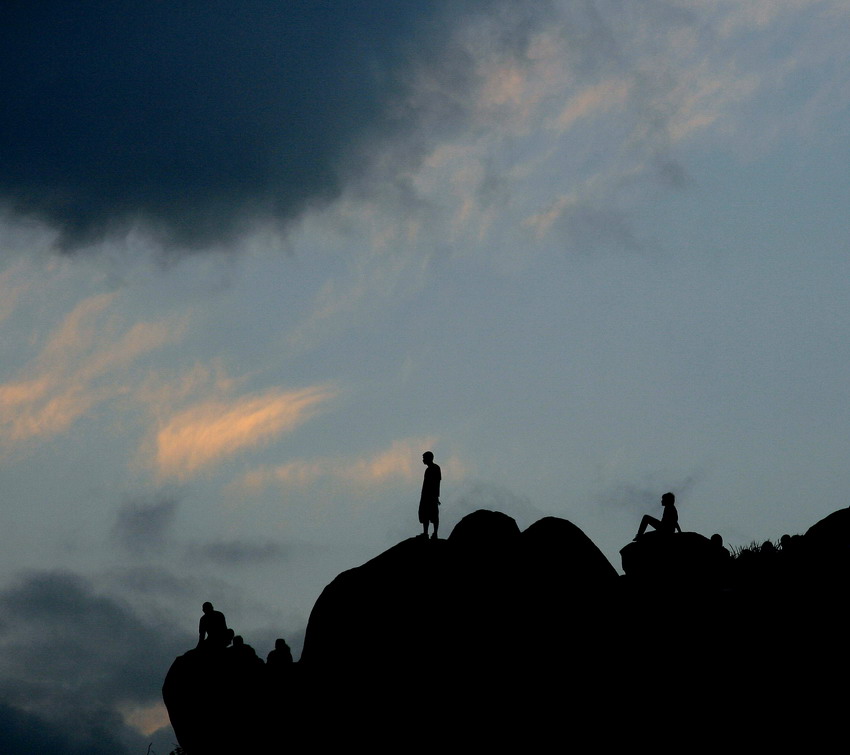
x: 833, y: 531
x: 484, y: 530
x: 822, y: 555
x: 464, y: 623
x: 218, y: 702
x: 383, y: 611
x: 659, y: 558
x: 556, y: 550
x: 454, y: 600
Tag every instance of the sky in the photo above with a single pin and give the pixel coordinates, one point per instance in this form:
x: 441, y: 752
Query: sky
x: 255, y: 260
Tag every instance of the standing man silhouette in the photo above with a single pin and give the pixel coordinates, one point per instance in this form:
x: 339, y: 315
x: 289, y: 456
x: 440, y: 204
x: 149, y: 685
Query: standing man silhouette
x: 429, y: 501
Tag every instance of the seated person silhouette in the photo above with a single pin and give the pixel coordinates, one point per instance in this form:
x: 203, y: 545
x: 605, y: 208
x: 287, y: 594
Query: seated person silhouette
x: 242, y: 653
x: 280, y: 658
x: 669, y: 519
x: 212, y: 629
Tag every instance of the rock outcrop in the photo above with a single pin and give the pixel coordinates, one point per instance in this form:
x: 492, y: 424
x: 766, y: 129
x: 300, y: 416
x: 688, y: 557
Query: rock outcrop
x: 687, y: 557
x: 501, y: 638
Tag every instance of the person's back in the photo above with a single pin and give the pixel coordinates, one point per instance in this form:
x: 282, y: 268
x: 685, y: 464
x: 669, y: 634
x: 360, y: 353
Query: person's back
x: 243, y: 653
x: 212, y: 628
x: 280, y: 658
x: 670, y: 517
x: 431, y: 482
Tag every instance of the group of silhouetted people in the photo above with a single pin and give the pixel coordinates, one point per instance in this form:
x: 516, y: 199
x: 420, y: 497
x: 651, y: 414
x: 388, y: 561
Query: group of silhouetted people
x: 429, y: 505
x: 215, y: 636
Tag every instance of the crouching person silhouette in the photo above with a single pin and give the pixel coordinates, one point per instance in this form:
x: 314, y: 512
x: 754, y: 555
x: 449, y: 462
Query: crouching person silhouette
x: 669, y: 522
x: 212, y: 629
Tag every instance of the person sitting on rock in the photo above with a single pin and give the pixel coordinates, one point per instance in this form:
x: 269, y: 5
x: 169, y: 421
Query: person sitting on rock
x: 669, y: 519
x: 212, y: 629
x: 279, y: 663
x: 242, y: 653
x: 281, y: 656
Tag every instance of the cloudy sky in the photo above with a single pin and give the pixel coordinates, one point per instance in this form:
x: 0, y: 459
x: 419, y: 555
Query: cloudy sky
x: 256, y: 258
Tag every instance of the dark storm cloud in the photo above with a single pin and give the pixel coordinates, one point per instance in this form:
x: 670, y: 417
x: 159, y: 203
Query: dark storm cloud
x: 143, y: 523
x: 197, y: 116
x: 24, y: 733
x: 69, y: 656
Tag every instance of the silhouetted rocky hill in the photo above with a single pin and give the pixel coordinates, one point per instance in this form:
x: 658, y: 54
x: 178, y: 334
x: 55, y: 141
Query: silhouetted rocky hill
x: 500, y: 638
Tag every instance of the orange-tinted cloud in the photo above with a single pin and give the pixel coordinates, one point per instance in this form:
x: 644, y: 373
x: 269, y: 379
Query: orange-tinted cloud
x: 146, y: 719
x: 401, y: 462
x: 81, y: 365
x: 211, y: 431
x: 593, y: 100
x: 542, y: 222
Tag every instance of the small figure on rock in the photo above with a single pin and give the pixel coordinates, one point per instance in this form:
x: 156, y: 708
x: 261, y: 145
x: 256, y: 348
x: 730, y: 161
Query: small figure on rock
x: 281, y: 657
x: 429, y: 501
x: 669, y: 522
x: 243, y: 653
x: 717, y: 541
x: 212, y: 629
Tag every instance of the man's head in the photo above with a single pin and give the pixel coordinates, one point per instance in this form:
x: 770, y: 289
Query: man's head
x: 207, y: 607
x: 668, y: 499
x: 427, y: 457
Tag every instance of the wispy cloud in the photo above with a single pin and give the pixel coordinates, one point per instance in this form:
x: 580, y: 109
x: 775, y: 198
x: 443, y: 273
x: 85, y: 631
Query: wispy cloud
x: 12, y: 288
x: 593, y: 100
x: 201, y: 435
x: 401, y: 462
x: 144, y: 521
x: 231, y: 553
x: 82, y: 364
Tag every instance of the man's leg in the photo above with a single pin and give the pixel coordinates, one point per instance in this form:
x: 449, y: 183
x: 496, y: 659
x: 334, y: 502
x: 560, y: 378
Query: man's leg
x: 647, y: 520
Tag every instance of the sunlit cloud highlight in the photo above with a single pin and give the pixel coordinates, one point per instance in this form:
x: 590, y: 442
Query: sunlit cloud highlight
x: 400, y: 463
x: 201, y: 435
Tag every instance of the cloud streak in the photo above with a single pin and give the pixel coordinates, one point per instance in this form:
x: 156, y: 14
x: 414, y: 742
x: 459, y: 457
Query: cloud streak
x: 82, y: 364
x: 230, y: 553
x: 197, y: 437
x: 401, y: 462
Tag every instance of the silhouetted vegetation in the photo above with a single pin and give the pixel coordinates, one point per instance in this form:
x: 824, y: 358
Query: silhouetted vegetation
x: 755, y: 548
